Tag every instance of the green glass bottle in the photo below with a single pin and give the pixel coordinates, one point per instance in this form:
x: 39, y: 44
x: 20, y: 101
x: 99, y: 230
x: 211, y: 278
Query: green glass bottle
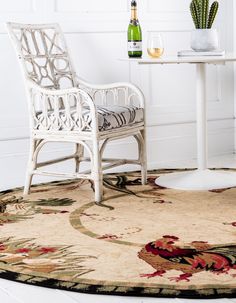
x: 134, y: 34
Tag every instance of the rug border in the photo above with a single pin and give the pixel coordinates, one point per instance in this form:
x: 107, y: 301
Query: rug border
x: 123, y: 291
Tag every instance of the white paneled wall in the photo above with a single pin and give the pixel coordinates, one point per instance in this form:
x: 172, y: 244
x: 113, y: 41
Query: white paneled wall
x: 96, y: 34
x: 81, y: 6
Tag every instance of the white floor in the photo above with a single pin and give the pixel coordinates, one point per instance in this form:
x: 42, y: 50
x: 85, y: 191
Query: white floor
x: 12, y: 292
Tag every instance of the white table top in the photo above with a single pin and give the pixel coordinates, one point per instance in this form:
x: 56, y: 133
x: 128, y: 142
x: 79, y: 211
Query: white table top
x: 186, y: 59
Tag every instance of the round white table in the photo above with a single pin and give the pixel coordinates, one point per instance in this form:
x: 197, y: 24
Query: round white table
x: 202, y: 178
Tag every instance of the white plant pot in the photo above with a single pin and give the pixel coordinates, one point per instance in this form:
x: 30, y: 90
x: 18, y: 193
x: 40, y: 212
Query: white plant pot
x: 204, y: 40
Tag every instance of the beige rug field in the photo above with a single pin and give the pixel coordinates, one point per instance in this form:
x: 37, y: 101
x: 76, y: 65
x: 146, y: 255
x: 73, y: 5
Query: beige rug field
x: 142, y: 240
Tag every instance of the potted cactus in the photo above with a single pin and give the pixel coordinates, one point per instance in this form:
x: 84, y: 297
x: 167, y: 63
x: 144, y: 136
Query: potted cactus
x: 204, y: 38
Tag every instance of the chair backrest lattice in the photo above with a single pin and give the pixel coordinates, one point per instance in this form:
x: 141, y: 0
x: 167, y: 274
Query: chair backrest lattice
x: 44, y: 55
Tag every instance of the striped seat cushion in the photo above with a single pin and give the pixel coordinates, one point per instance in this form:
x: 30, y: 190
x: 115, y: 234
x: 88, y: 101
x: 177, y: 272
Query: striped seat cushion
x: 109, y: 117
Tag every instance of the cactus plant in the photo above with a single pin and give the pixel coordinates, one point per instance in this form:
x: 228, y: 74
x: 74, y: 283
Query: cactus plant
x: 202, y: 17
x: 212, y: 14
x: 204, y: 13
x: 195, y: 13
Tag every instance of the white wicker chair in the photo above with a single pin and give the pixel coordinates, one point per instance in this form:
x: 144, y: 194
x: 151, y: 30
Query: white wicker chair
x: 64, y: 108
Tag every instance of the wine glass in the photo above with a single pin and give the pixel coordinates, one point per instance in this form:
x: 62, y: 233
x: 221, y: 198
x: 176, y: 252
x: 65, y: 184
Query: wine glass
x: 155, y: 46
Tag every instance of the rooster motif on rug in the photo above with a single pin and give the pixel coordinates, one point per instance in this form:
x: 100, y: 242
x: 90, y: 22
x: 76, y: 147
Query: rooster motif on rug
x: 164, y: 255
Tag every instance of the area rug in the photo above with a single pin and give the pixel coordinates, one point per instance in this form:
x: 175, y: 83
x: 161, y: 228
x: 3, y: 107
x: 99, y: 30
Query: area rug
x: 141, y: 241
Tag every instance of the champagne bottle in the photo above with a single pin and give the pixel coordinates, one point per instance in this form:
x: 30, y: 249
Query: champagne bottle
x: 134, y: 34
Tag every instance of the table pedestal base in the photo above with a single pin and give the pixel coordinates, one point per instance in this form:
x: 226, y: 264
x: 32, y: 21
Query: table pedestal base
x: 198, y: 180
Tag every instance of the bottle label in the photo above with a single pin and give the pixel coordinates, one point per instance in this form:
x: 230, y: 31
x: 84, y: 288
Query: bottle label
x: 134, y: 46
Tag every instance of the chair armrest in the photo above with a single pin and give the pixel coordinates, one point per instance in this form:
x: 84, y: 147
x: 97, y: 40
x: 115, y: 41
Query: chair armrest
x: 72, y: 102
x: 51, y: 92
x: 130, y: 89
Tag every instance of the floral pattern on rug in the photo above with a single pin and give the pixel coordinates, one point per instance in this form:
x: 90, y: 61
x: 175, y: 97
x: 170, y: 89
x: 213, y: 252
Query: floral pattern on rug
x: 122, y: 183
x: 21, y: 209
x: 24, y: 255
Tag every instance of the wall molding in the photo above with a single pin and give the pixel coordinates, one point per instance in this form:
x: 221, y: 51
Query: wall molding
x: 124, y: 142
x: 158, y: 7
x: 81, y: 6
x: 149, y: 126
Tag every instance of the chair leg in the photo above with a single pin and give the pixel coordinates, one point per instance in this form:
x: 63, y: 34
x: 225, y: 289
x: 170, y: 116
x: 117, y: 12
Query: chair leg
x: 79, y: 152
x: 143, y: 157
x: 31, y: 166
x: 28, y: 181
x: 97, y: 174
